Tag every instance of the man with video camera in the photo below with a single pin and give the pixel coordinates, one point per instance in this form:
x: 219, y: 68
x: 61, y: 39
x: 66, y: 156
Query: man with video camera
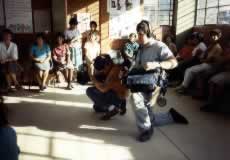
x: 152, y: 55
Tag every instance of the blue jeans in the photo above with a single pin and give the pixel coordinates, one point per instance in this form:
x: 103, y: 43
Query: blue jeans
x: 8, y: 144
x: 103, y: 99
x: 145, y: 118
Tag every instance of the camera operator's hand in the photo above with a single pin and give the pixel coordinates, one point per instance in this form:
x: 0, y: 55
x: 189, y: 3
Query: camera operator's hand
x: 151, y: 65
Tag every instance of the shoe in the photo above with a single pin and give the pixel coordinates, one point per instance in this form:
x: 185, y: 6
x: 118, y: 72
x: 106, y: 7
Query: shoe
x: 99, y: 109
x: 10, y: 90
x: 182, y: 90
x: 69, y: 87
x: 18, y: 87
x: 146, y: 135
x: 208, y: 108
x: 110, y: 114
x: 123, y: 109
x: 177, y: 117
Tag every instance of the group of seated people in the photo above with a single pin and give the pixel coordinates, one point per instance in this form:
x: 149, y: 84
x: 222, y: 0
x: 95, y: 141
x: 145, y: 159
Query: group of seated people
x: 200, y: 63
x: 69, y: 54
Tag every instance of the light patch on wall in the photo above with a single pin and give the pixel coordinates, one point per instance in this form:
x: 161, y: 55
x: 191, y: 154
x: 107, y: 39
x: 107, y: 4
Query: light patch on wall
x: 185, y: 15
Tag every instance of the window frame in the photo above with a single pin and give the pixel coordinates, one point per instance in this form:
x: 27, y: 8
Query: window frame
x: 170, y: 13
x: 206, y: 8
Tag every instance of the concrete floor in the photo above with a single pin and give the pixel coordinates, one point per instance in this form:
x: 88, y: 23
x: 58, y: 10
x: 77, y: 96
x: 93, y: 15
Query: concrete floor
x: 61, y: 125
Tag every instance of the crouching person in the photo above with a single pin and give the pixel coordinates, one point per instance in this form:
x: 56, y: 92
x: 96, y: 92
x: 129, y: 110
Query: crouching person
x: 153, y: 54
x: 108, y: 94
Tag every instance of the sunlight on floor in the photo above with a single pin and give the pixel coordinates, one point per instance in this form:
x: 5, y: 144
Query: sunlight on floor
x: 44, y: 101
x: 36, y: 144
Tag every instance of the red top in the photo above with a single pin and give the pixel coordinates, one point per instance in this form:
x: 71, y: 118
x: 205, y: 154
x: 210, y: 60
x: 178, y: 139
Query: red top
x: 60, y: 53
x: 186, y: 52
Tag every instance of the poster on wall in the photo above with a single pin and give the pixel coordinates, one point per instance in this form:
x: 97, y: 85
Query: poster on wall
x: 2, y: 23
x: 122, y: 23
x: 120, y: 6
x: 19, y: 16
x: 42, y: 20
x: 84, y: 22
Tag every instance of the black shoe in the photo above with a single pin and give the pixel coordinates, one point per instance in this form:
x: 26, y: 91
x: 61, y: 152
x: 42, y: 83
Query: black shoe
x: 146, y: 135
x: 177, y: 117
x: 110, y: 114
x: 182, y: 90
x: 123, y: 108
x: 99, y: 109
x: 208, y: 108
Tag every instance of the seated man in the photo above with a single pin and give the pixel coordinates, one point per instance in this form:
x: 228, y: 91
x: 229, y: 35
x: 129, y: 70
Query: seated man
x: 109, y: 94
x: 8, y: 59
x: 218, y: 83
x: 210, y: 62
x: 221, y: 66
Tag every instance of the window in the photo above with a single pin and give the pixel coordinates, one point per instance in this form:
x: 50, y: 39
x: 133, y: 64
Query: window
x: 159, y: 12
x: 213, y: 12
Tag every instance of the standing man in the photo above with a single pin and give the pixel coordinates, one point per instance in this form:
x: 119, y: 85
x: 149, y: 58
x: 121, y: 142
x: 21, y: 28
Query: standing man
x: 152, y: 54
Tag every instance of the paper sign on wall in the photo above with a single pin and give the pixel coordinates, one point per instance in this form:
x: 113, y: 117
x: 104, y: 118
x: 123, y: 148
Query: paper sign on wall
x: 123, y: 20
x: 84, y: 22
x: 19, y: 16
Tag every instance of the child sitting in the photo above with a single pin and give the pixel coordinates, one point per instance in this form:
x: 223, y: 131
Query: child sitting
x: 129, y: 51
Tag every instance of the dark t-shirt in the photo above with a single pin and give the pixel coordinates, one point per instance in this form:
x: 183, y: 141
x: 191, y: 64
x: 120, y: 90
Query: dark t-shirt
x: 8, y: 144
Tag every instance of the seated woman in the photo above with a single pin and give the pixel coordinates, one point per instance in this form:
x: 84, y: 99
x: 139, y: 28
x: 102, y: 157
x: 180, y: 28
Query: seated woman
x: 8, y: 139
x: 92, y: 50
x: 189, y: 56
x: 130, y: 50
x: 185, y: 53
x: 8, y: 59
x: 61, y: 59
x: 209, y: 64
x: 168, y: 40
x: 41, y: 54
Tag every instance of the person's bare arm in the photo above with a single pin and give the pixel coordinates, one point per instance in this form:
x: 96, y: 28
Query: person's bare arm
x: 168, y: 64
x: 103, y: 87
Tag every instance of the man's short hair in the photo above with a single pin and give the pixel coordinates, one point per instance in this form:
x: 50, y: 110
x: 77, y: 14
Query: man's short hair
x: 7, y: 31
x: 145, y: 28
x: 216, y: 32
x: 102, y: 61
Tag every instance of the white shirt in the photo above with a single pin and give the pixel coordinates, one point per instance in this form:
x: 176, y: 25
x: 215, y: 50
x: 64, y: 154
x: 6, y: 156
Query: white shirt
x: 71, y: 34
x: 8, y: 54
x: 155, y: 51
x: 93, y: 50
x: 201, y: 46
